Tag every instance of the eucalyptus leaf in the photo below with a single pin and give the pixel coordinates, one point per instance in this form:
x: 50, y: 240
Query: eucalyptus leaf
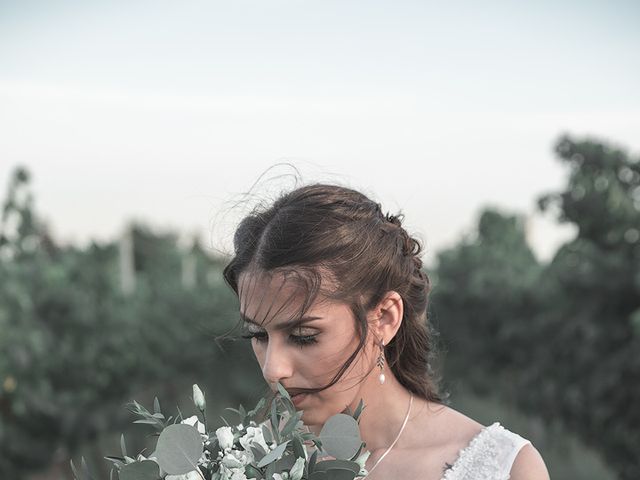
x: 156, y: 405
x: 285, y: 463
x: 271, y: 469
x: 340, y: 436
x: 145, y: 470
x: 179, y: 448
x: 258, y: 451
x: 283, y: 391
x: 307, y: 436
x: 339, y: 474
x: 148, y: 421
x: 298, y: 447
x: 327, y: 465
x: 75, y: 472
x: 258, y: 406
x: 251, y: 472
x: 266, y: 433
x: 288, y: 404
x: 291, y: 424
x: 123, y: 446
x: 357, y: 454
x: 274, y: 419
x: 85, y: 469
x: 119, y: 461
x: 273, y: 455
x: 359, y: 410
x: 312, y: 461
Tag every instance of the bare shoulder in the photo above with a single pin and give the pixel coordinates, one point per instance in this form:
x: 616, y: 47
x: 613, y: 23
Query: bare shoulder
x: 445, y: 428
x: 529, y: 465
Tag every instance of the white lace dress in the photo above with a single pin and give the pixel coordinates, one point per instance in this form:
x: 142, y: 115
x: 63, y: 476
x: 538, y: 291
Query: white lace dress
x: 488, y: 456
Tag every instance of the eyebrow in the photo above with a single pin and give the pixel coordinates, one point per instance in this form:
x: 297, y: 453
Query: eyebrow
x: 284, y: 325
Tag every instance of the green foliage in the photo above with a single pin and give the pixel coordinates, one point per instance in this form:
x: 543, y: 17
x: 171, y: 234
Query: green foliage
x: 187, y: 447
x: 484, y: 289
x: 560, y: 340
x: 73, y: 342
x: 145, y: 470
x: 179, y: 448
x: 340, y: 436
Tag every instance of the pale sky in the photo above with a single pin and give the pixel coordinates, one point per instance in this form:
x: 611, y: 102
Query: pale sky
x: 165, y: 111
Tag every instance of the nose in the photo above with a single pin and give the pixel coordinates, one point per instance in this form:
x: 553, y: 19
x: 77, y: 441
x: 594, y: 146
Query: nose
x: 277, y: 364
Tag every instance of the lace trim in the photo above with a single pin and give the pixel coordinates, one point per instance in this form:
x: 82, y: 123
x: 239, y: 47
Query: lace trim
x: 474, y: 457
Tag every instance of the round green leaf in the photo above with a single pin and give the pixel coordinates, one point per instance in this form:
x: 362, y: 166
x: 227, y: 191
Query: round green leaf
x: 333, y: 474
x: 340, y: 474
x: 179, y: 449
x: 327, y: 465
x: 144, y: 470
x: 340, y: 436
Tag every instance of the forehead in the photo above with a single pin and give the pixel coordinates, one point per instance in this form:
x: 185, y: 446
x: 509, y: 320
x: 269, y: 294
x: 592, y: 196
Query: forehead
x: 265, y: 296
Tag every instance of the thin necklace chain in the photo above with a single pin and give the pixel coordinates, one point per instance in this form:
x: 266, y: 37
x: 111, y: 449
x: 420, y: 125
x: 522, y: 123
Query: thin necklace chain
x: 406, y: 418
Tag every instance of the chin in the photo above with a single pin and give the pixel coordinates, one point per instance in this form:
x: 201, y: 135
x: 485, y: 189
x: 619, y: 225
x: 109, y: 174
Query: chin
x: 314, y: 416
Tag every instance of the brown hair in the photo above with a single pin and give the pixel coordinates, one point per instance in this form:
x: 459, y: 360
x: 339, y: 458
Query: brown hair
x: 322, y: 230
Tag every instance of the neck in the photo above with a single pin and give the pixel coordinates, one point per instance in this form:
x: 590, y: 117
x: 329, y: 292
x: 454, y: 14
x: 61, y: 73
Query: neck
x: 385, y: 409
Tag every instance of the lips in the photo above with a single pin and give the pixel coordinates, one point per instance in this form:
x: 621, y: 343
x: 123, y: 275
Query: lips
x: 291, y: 391
x: 298, y: 398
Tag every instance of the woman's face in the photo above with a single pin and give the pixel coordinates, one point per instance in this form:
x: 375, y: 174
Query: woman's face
x: 302, y: 352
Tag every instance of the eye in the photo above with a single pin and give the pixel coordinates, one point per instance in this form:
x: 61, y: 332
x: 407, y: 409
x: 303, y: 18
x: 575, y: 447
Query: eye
x: 262, y: 337
x: 303, y: 340
x: 259, y: 336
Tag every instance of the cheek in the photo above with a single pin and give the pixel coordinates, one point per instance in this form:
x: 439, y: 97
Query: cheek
x: 331, y: 361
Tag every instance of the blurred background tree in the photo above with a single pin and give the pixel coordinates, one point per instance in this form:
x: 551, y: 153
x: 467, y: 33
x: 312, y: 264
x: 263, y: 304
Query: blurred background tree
x: 76, y: 345
x: 590, y: 356
x: 561, y: 340
x: 551, y: 350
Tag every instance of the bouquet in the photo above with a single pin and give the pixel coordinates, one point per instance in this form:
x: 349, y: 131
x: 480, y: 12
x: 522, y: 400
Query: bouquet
x: 274, y: 445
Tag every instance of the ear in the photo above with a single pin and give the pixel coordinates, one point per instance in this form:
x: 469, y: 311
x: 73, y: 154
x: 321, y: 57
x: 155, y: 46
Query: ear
x: 387, y: 317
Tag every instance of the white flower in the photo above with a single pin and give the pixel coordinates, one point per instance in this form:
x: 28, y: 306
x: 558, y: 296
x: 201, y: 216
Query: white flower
x: 192, y: 475
x: 198, y: 398
x: 297, y: 470
x: 254, y: 435
x: 194, y: 422
x: 277, y: 476
x: 232, y: 473
x: 244, y: 457
x: 225, y: 437
x: 361, y: 460
x: 238, y: 474
x: 232, y: 461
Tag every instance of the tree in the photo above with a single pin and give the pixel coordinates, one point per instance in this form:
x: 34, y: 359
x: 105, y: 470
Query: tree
x: 560, y: 339
x: 75, y: 349
x: 482, y: 300
x: 590, y: 315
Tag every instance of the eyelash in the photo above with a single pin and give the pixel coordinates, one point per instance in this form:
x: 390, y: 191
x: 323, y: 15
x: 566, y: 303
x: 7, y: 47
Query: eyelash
x: 302, y: 340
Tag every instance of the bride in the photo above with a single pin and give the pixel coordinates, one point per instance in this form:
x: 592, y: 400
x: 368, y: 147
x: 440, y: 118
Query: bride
x: 334, y: 299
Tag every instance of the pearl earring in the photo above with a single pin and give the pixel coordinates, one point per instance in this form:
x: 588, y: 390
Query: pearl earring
x: 380, y: 363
